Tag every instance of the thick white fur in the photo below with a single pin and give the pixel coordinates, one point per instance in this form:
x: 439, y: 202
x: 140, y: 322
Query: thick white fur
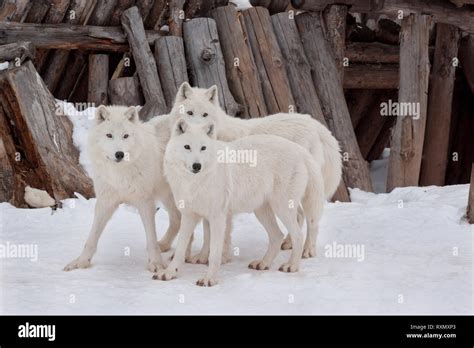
x: 136, y: 180
x: 285, y: 175
x: 199, y: 105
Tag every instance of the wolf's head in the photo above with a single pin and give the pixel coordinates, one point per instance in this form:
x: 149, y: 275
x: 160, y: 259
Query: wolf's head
x: 115, y: 135
x: 197, y: 105
x: 192, y: 146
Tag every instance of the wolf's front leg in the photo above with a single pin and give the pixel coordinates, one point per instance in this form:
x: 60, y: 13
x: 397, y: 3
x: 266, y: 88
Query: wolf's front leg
x: 174, y: 222
x: 147, y: 211
x: 188, y: 224
x: 217, y: 225
x: 104, y: 209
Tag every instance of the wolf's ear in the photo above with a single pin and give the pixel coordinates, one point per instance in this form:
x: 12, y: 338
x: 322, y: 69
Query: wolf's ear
x: 210, y: 130
x: 132, y: 114
x: 180, y: 127
x: 184, y: 92
x: 101, y: 114
x: 213, y: 95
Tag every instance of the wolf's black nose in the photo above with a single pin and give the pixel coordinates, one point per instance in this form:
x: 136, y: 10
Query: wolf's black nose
x: 119, y: 155
x: 196, y: 167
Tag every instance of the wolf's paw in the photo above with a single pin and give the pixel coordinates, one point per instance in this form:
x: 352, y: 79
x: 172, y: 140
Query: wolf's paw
x: 200, y: 258
x: 286, y: 245
x: 207, y: 282
x: 165, y: 274
x: 309, y: 252
x: 77, y: 263
x: 154, y: 266
x: 164, y: 246
x: 288, y: 267
x: 259, y: 265
x: 226, y: 258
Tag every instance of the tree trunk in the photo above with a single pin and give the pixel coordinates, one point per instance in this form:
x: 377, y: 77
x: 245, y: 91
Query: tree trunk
x: 242, y: 73
x: 268, y: 60
x: 440, y: 99
x: 409, y: 132
x: 206, y: 62
x: 98, y: 79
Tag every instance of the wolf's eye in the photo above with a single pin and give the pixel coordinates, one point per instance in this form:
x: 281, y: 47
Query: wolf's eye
x: 190, y: 113
x: 125, y: 136
x: 204, y: 114
x: 203, y: 148
x: 187, y: 147
x: 109, y: 135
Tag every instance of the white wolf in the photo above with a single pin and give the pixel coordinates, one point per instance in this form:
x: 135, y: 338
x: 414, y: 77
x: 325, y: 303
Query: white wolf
x: 202, y: 105
x: 283, y: 176
x: 127, y: 163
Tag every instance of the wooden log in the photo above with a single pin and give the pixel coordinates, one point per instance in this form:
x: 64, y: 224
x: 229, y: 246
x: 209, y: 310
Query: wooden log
x: 125, y: 91
x: 409, y: 132
x: 269, y: 60
x: 36, y: 140
x: 206, y: 62
x: 14, y: 10
x: 441, y: 11
x: 329, y: 89
x: 273, y: 6
x: 297, y: 66
x: 241, y: 71
x: 121, y: 6
x: 69, y: 37
x: 440, y: 98
x: 55, y: 14
x: 98, y: 79
x: 372, y: 123
x: 370, y: 76
x: 171, y: 63
x: 78, y: 14
x: 155, y: 19
x: 335, y: 19
x: 145, y: 62
x: 372, y: 53
x: 21, y: 50
x: 470, y: 203
x: 466, y: 56
x: 382, y: 141
x: 38, y: 11
x: 176, y: 17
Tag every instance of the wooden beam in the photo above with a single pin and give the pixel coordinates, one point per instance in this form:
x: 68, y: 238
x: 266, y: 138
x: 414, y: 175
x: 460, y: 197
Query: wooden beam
x: 14, y: 10
x: 206, y: 61
x: 328, y: 86
x: 176, y: 17
x: 297, y: 67
x: 171, y: 63
x: 470, y: 204
x: 335, y: 19
x: 125, y: 91
x: 69, y: 37
x: 371, y: 76
x: 38, y: 11
x: 268, y: 59
x: 145, y: 63
x: 98, y: 79
x: 21, y: 50
x: 373, y: 52
x: 407, y: 141
x: 440, y: 99
x: 441, y: 11
x: 242, y: 74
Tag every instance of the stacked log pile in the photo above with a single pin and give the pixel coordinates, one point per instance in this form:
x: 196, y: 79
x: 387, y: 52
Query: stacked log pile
x: 347, y: 63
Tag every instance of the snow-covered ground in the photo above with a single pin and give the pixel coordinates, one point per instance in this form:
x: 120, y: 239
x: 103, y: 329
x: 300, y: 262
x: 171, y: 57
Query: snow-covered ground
x: 407, y: 252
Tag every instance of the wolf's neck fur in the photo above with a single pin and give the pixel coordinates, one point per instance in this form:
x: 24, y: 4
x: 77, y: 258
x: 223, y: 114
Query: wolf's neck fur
x: 233, y: 128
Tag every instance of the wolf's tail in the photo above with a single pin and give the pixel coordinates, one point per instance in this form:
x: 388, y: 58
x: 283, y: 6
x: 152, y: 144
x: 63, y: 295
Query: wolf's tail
x: 332, y: 167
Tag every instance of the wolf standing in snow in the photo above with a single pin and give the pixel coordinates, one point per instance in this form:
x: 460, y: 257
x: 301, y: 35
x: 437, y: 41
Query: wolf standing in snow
x: 283, y: 177
x: 202, y: 105
x: 127, y: 161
